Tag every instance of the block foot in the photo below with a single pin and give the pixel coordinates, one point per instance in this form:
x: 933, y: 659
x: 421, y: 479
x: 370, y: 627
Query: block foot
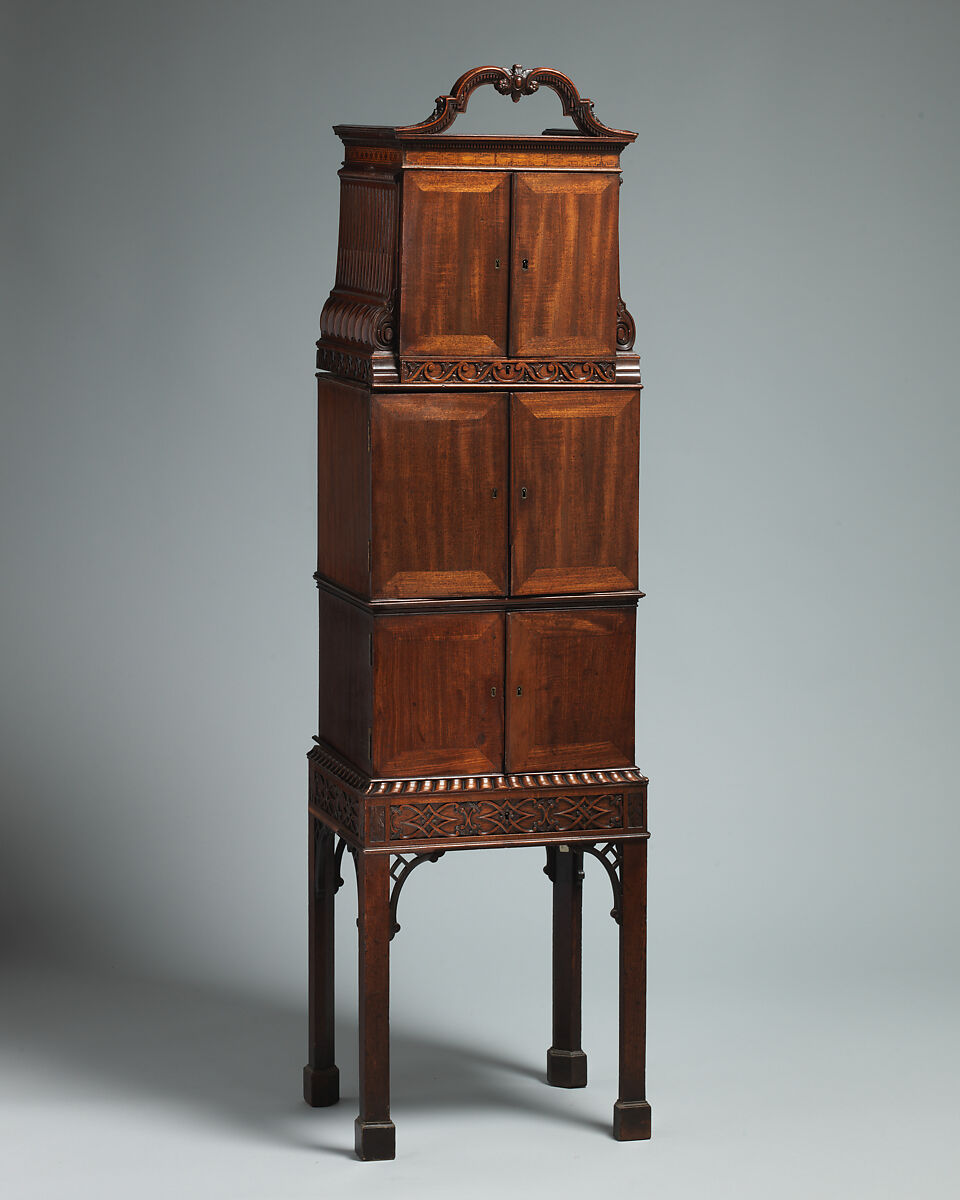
x: 375, y: 1140
x: 631, y: 1120
x: 321, y: 1086
x: 566, y: 1068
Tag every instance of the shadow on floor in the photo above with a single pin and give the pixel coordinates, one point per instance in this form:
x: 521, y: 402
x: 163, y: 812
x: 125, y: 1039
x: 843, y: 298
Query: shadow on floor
x: 237, y: 1058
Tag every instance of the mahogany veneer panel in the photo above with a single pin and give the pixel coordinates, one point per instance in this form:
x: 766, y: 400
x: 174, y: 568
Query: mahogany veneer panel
x: 343, y: 484
x: 346, y: 685
x: 570, y: 697
x: 438, y: 693
x: 574, y: 491
x: 440, y: 494
x: 565, y: 229
x: 455, y: 282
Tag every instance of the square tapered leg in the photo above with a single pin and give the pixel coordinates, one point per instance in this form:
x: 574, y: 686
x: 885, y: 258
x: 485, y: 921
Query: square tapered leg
x: 375, y: 1132
x: 566, y: 1061
x: 631, y: 1113
x: 321, y: 1079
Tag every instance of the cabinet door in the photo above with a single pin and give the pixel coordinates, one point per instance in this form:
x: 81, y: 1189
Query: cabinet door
x: 438, y: 694
x: 439, y: 494
x: 574, y: 488
x: 564, y: 264
x: 456, y: 250
x: 570, y: 689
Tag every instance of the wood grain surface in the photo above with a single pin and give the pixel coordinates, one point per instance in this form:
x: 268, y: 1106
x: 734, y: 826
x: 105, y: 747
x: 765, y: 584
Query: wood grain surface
x: 575, y: 476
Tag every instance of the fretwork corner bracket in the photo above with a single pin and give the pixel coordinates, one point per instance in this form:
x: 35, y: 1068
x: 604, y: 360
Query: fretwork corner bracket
x: 609, y: 854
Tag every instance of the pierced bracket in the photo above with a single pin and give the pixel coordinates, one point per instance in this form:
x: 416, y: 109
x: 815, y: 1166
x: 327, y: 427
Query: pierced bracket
x: 342, y: 844
x: 550, y: 870
x: 400, y: 869
x: 609, y: 853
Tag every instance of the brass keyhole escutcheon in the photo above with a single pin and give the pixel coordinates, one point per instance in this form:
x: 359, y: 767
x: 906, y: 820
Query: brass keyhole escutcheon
x: 523, y: 493
x: 493, y: 691
x: 519, y: 691
x: 496, y: 265
x: 493, y: 493
x: 524, y: 263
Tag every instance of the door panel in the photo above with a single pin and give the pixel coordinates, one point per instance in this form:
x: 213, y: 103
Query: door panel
x: 438, y: 694
x: 564, y: 302
x: 439, y: 494
x: 575, y: 476
x: 570, y: 689
x: 456, y: 227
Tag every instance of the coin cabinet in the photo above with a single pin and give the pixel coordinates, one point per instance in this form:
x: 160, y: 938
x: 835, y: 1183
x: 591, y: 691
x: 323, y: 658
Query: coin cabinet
x: 478, y: 474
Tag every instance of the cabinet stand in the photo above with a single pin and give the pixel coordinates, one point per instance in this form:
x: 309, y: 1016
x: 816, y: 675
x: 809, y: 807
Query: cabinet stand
x: 382, y: 872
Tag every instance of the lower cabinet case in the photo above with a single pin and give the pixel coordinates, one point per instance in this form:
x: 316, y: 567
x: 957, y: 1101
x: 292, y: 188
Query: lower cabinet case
x: 477, y: 692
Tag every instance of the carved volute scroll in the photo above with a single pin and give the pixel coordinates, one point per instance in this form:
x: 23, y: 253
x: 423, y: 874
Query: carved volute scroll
x: 515, y: 83
x: 626, y: 328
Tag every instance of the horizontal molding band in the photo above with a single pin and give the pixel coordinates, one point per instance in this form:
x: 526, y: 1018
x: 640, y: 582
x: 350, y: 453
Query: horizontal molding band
x: 441, y: 786
x: 425, y: 604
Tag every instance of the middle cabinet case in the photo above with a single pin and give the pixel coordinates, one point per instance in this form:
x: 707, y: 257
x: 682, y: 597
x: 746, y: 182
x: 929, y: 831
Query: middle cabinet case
x: 460, y: 495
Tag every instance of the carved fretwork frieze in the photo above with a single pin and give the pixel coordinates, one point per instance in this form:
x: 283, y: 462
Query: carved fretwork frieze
x: 526, y: 814
x: 636, y: 810
x: 398, y: 812
x: 507, y: 370
x: 337, y: 802
x: 626, y: 327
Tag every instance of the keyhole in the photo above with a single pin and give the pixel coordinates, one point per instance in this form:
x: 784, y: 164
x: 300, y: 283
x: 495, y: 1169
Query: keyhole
x: 523, y: 493
x: 519, y: 691
x: 496, y: 265
x: 493, y: 691
x: 524, y: 264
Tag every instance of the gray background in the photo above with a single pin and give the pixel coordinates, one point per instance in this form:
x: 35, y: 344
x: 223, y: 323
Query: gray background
x: 790, y: 253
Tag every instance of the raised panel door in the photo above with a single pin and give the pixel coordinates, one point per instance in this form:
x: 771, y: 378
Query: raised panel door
x: 456, y: 247
x: 570, y: 689
x: 439, y: 482
x: 575, y: 468
x: 438, y: 693
x: 564, y: 264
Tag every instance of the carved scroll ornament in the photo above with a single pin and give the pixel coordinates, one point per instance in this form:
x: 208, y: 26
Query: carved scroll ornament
x: 515, y: 83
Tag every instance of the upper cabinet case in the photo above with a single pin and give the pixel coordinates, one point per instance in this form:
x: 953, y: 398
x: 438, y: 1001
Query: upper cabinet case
x: 509, y: 264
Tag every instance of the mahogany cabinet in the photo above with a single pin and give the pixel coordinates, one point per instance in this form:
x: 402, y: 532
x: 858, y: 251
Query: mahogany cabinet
x: 477, y: 488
